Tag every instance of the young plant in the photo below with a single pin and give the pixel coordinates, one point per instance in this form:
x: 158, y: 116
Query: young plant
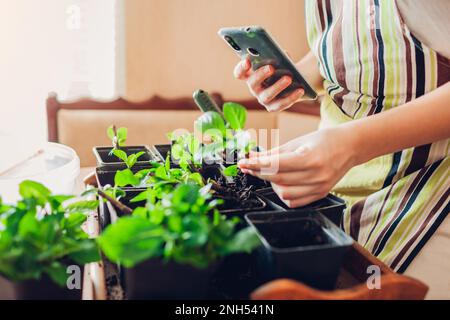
x: 183, y: 227
x: 227, y: 135
x: 42, y: 234
x: 118, y: 137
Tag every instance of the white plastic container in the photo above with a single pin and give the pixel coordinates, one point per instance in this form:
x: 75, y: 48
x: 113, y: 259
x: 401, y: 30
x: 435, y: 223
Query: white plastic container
x: 56, y: 166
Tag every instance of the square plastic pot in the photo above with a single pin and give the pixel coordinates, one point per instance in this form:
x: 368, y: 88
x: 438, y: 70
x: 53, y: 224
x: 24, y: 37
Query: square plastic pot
x: 107, y: 160
x: 161, y: 151
x: 155, y: 279
x: 42, y: 289
x: 331, y: 206
x: 303, y: 245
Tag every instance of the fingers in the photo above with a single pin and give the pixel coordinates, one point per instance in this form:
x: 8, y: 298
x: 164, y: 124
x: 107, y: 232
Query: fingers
x: 298, y: 196
x: 284, y: 103
x: 276, y: 163
x: 301, y: 202
x: 242, y: 69
x: 268, y: 95
x: 306, y: 177
x: 276, y: 150
x: 257, y: 78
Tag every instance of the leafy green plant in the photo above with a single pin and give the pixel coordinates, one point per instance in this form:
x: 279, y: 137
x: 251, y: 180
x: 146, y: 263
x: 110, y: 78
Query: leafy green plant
x: 118, y: 136
x: 231, y: 171
x: 183, y: 227
x: 227, y: 135
x: 42, y: 234
x: 129, y: 160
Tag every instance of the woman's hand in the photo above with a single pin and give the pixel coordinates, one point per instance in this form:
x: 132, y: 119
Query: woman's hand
x: 267, y: 96
x: 307, y: 168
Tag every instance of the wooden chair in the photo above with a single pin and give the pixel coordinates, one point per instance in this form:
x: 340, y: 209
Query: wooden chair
x: 82, y: 124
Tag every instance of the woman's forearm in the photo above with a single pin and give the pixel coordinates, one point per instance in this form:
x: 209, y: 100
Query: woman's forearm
x: 309, y: 68
x: 419, y: 122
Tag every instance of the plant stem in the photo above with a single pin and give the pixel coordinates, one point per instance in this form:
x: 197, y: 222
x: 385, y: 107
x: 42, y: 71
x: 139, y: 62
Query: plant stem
x: 120, y: 206
x: 116, y: 138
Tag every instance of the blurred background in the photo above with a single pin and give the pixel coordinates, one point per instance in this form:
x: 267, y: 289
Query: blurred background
x: 132, y: 48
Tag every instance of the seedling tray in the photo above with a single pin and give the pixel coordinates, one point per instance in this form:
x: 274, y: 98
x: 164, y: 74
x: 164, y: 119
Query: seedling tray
x: 351, y: 283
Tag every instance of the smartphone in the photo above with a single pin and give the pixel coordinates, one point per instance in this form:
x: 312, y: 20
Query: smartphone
x: 259, y: 46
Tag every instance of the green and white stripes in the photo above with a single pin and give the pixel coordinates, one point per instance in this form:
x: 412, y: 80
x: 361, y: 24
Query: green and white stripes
x: 372, y: 63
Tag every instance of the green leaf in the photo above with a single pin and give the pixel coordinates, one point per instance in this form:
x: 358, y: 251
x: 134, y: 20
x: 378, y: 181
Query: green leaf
x: 125, y: 178
x: 161, y: 173
x: 57, y: 201
x: 140, y: 212
x: 87, y: 252
x: 196, y: 178
x: 74, y: 220
x: 29, y: 226
x: 231, y: 171
x: 122, y: 134
x: 211, y: 123
x: 167, y: 163
x: 110, y: 132
x: 193, y: 144
x: 121, y: 155
x: 133, y: 158
x: 177, y: 151
x: 244, y: 241
x: 143, y: 196
x: 34, y: 190
x: 131, y: 240
x: 83, y: 206
x: 235, y: 114
x: 185, y: 193
x: 58, y: 273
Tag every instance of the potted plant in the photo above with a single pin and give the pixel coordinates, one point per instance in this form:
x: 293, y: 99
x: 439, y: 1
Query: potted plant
x: 110, y: 157
x: 42, y: 244
x: 170, y: 247
x: 301, y: 245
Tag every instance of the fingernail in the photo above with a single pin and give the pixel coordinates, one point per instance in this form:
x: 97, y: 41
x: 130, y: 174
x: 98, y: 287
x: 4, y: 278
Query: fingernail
x: 267, y: 69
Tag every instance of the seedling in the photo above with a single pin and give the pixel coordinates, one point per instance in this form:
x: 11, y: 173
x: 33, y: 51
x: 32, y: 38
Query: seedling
x: 42, y: 232
x: 227, y: 135
x: 183, y: 227
x: 118, y: 136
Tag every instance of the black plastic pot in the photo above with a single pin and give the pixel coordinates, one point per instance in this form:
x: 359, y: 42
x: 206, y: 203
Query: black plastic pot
x: 155, y: 279
x: 43, y: 289
x: 107, y: 160
x: 105, y: 176
x: 301, y: 245
x: 231, y: 211
x: 161, y: 151
x: 235, y: 278
x: 332, y: 207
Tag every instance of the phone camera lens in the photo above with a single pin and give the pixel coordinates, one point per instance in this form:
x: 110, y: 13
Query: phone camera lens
x: 232, y: 43
x: 253, y: 52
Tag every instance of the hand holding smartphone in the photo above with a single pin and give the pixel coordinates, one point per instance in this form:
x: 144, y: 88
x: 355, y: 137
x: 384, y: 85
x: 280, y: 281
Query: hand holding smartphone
x: 273, y: 77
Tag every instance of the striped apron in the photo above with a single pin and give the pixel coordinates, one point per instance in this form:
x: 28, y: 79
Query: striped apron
x: 371, y: 63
